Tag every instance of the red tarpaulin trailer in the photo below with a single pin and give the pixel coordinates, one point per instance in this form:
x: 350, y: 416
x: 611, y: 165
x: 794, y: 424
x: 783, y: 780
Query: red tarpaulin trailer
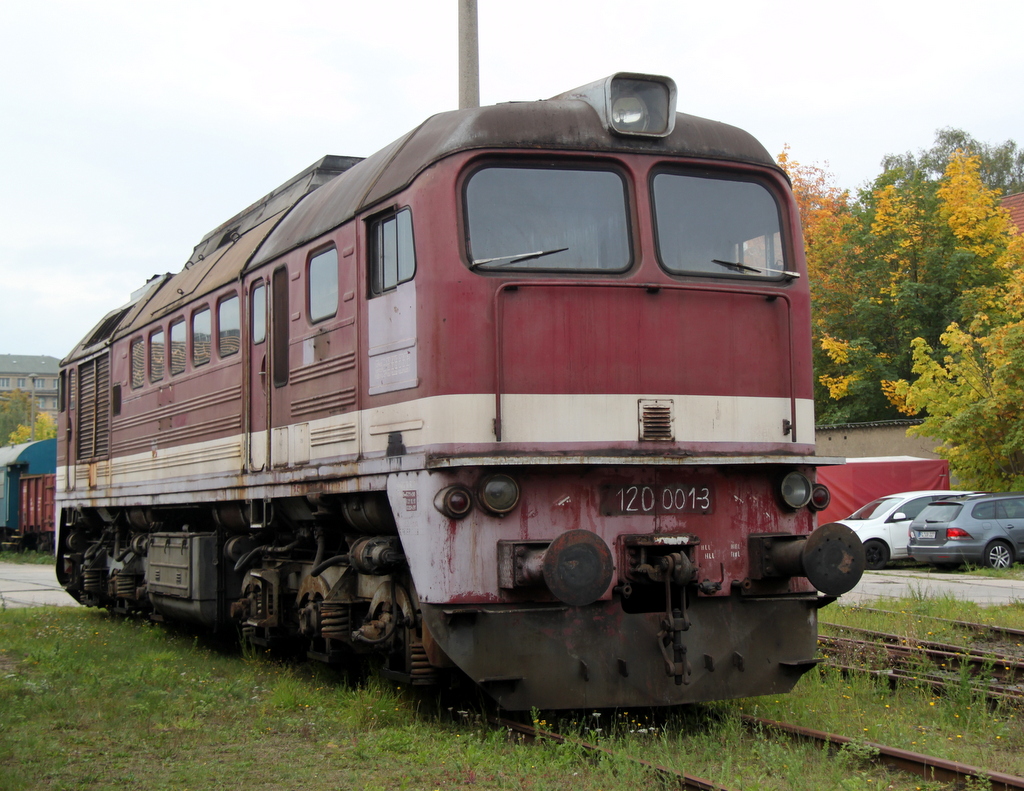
x: 860, y: 481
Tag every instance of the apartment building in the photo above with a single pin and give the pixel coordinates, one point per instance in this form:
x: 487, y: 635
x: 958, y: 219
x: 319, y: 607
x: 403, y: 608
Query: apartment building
x: 35, y: 374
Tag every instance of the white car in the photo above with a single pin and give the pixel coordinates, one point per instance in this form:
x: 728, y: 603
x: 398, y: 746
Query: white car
x: 883, y: 524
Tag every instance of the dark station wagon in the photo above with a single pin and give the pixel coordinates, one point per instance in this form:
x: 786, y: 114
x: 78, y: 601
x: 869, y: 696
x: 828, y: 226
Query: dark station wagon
x: 986, y: 529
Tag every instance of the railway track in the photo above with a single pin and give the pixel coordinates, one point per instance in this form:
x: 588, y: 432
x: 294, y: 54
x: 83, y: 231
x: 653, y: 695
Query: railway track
x: 929, y: 767
x: 903, y: 659
x: 1004, y: 632
x: 1008, y: 668
x: 938, y: 683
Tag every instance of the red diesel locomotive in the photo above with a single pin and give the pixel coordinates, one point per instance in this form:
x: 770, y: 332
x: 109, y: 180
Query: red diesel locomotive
x: 525, y: 396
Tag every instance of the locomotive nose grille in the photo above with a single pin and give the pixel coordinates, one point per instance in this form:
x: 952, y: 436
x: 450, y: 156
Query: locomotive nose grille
x: 656, y: 420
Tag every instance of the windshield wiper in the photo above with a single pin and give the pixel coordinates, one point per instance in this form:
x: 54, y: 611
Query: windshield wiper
x: 747, y: 268
x: 505, y: 260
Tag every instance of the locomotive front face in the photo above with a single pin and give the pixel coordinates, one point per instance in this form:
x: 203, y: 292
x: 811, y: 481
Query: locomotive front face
x: 528, y: 393
x: 620, y: 584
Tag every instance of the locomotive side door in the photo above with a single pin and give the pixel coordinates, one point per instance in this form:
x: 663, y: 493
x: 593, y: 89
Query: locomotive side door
x: 257, y: 428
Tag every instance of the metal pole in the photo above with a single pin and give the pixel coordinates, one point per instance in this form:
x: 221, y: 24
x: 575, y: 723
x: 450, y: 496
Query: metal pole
x: 469, y: 56
x: 32, y: 411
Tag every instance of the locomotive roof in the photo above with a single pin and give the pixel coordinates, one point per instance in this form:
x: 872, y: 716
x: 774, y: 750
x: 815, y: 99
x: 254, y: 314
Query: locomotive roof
x: 555, y: 124
x: 335, y: 189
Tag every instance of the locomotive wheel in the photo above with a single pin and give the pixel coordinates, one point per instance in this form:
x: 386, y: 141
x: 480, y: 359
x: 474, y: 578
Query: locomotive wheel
x: 876, y: 554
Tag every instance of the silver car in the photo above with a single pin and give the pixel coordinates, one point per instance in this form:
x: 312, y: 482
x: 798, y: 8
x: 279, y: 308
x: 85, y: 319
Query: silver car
x: 985, y: 529
x: 882, y: 524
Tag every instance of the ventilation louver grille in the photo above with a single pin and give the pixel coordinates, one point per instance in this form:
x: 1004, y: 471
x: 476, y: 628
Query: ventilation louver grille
x: 656, y: 420
x: 94, y: 408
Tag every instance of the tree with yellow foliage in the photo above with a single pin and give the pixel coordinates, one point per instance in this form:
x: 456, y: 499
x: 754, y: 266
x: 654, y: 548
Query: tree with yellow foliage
x: 918, y: 254
x: 46, y: 428
x: 971, y: 391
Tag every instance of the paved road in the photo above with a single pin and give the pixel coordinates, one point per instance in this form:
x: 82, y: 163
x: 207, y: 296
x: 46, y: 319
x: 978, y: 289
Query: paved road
x: 29, y: 585
x: 33, y: 586
x: 899, y: 583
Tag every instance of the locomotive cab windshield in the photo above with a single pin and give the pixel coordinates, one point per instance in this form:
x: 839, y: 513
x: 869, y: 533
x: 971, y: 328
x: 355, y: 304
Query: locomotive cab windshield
x: 712, y: 225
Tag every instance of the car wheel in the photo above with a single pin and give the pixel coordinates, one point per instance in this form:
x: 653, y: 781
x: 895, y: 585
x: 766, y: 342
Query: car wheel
x: 876, y: 554
x: 998, y: 555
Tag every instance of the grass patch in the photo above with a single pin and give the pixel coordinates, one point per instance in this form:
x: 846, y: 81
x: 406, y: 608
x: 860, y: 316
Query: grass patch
x: 28, y: 556
x: 1015, y: 572
x: 90, y: 701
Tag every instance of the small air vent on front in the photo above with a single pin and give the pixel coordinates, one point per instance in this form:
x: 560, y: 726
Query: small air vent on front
x: 656, y: 420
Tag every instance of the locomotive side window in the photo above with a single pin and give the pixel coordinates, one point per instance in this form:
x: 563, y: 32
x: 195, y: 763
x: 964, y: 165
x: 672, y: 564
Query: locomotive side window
x: 201, y: 337
x: 258, y: 306
x: 177, y: 346
x: 156, y: 355
x: 709, y: 225
x: 522, y: 218
x: 279, y: 342
x: 392, y: 253
x: 322, y: 283
x: 138, y: 358
x: 228, y: 326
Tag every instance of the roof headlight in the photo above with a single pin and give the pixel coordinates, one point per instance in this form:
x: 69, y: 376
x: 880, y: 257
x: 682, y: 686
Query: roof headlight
x: 499, y: 493
x: 641, y: 105
x: 630, y: 104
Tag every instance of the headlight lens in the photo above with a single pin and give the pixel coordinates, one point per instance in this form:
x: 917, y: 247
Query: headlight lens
x: 499, y: 493
x: 628, y: 111
x: 795, y: 490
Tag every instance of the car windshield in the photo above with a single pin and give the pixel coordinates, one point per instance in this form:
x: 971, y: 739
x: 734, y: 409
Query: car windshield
x: 561, y: 219
x: 715, y: 226
x: 875, y: 508
x: 939, y: 512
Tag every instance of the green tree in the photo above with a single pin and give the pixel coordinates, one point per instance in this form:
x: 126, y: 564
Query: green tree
x: 923, y: 253
x: 828, y: 225
x: 15, y: 410
x: 971, y: 399
x: 1001, y: 166
x: 45, y: 427
x: 969, y: 390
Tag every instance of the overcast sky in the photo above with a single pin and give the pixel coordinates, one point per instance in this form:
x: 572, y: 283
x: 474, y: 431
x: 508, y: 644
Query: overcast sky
x: 131, y: 129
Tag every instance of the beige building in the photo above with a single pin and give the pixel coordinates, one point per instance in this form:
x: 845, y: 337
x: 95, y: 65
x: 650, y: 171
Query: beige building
x: 884, y: 438
x: 35, y: 374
